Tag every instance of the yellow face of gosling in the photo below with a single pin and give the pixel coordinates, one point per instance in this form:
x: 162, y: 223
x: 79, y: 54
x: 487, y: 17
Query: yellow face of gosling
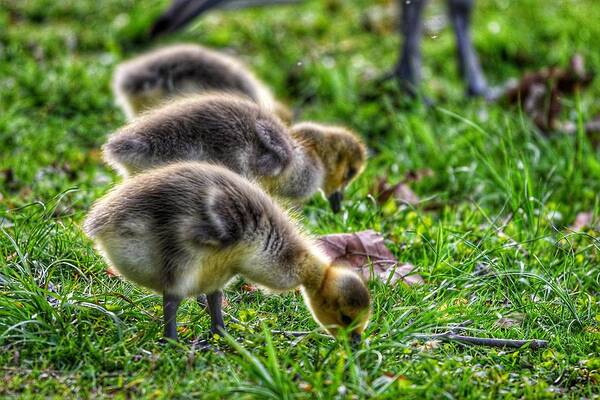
x: 342, y: 303
x: 344, y: 157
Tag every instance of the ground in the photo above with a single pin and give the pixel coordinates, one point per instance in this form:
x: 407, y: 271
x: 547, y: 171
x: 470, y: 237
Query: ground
x: 490, y: 236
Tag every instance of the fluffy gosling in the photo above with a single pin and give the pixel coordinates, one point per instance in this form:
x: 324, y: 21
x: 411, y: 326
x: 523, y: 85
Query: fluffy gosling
x: 223, y: 129
x: 237, y: 133
x: 149, y: 79
x: 189, y: 228
x: 334, y: 155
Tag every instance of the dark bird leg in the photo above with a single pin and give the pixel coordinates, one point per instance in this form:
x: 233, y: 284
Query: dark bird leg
x: 460, y: 15
x: 202, y: 301
x: 215, y: 301
x: 179, y: 14
x: 408, y: 69
x: 170, y: 306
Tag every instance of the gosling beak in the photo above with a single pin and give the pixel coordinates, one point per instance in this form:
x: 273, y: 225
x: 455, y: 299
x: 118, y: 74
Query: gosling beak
x: 355, y: 339
x: 335, y: 200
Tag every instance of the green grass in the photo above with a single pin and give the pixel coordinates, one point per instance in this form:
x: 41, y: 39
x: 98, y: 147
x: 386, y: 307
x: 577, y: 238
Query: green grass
x: 69, y: 330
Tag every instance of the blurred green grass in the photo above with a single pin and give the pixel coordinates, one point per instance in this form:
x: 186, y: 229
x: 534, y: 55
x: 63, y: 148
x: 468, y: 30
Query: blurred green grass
x: 507, y: 196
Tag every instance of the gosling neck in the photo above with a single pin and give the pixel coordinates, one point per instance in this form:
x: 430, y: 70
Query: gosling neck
x: 312, y: 144
x: 302, y: 178
x: 313, y: 269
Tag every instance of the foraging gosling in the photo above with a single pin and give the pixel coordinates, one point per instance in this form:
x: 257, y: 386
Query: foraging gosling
x: 224, y: 129
x: 237, y: 133
x: 150, y: 79
x: 189, y: 228
x: 334, y: 155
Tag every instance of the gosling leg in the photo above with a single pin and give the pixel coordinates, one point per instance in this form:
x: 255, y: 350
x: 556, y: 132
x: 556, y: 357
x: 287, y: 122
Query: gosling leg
x: 202, y: 301
x: 170, y: 306
x: 215, y: 301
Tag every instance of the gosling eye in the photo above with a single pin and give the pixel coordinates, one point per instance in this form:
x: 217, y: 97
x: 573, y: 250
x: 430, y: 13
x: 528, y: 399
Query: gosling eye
x: 350, y: 174
x: 346, y: 320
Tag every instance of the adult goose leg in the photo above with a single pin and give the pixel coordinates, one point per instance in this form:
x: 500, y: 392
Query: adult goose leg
x: 460, y: 14
x: 408, y: 69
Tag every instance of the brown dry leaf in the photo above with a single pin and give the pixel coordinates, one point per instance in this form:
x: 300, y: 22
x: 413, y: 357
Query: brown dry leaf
x: 566, y: 80
x: 359, y: 250
x: 540, y: 92
x: 400, y: 191
x: 583, y: 220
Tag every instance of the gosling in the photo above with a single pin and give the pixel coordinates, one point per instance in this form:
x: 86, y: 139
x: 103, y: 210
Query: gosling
x: 238, y: 134
x: 152, y: 78
x: 224, y: 129
x: 188, y: 228
x: 334, y: 157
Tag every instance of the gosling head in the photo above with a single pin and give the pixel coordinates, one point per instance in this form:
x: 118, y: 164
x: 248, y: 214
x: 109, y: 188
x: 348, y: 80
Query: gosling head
x: 342, y: 153
x: 341, y: 303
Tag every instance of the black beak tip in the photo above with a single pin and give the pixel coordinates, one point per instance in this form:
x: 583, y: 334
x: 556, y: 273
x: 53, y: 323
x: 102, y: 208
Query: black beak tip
x: 355, y: 339
x: 335, y: 200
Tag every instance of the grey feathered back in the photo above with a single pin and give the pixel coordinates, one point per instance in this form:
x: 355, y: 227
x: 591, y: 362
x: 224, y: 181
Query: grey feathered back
x: 223, y: 129
x: 196, y: 204
x: 187, y: 68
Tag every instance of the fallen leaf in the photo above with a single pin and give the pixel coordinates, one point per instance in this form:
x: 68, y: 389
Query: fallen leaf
x: 583, y: 220
x: 361, y: 249
x: 400, y: 191
x: 566, y: 80
x: 539, y: 93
